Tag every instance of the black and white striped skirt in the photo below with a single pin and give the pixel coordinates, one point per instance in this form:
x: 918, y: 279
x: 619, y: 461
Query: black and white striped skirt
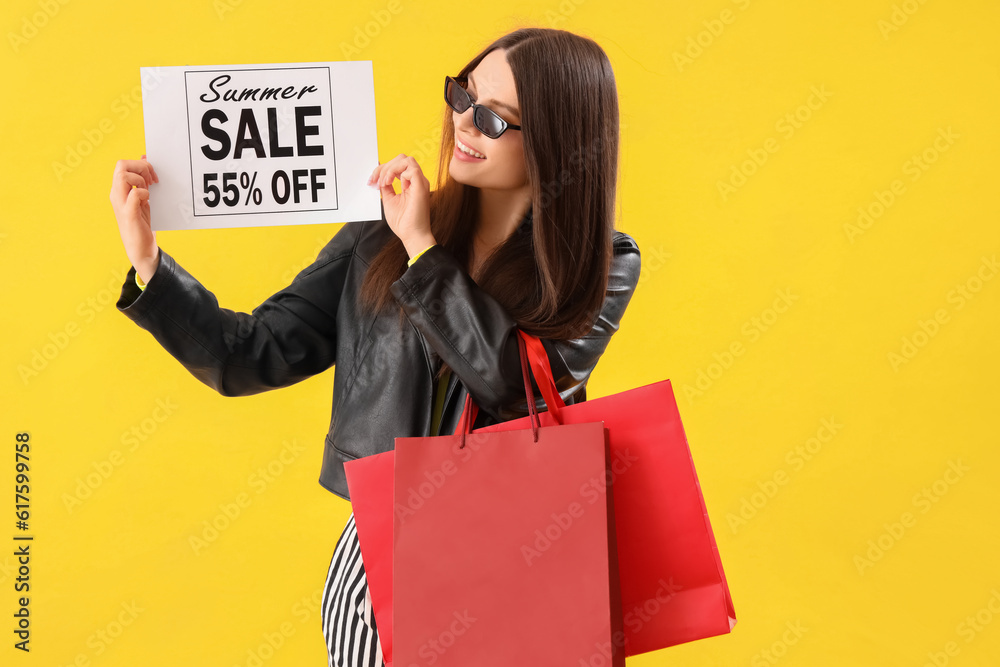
x: 348, y: 619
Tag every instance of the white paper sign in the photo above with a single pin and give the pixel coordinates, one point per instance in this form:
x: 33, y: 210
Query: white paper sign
x: 254, y: 145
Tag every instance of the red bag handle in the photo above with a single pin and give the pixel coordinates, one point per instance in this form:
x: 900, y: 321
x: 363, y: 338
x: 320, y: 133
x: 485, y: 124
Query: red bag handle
x: 470, y: 410
x: 542, y: 370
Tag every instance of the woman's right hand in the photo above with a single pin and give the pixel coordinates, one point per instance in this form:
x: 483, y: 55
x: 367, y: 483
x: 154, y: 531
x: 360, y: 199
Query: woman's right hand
x: 130, y: 201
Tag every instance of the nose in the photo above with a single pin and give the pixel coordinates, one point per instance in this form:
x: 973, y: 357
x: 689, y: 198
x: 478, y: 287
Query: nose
x: 464, y: 122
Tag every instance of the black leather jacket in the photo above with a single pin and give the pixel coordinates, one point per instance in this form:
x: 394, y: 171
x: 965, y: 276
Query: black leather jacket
x: 384, y: 378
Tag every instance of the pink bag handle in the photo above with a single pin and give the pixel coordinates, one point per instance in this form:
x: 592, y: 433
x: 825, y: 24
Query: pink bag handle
x: 470, y: 410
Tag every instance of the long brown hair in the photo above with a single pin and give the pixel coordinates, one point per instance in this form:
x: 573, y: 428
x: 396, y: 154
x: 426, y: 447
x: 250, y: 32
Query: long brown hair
x: 552, y: 281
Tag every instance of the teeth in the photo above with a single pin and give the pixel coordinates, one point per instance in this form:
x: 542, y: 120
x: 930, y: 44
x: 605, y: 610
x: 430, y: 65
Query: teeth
x: 465, y: 149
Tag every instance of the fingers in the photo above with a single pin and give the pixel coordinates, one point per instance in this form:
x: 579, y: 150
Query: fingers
x: 128, y: 176
x: 122, y: 184
x: 140, y: 167
x: 138, y: 195
x: 402, y: 166
x: 136, y: 201
x: 409, y: 175
x: 156, y: 179
x: 134, y: 179
x: 384, y: 168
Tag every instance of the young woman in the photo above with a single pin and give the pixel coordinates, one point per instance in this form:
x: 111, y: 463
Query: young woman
x: 421, y: 308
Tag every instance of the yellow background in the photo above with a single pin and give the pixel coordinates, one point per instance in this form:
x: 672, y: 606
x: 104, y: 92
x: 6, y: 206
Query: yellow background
x: 892, y: 77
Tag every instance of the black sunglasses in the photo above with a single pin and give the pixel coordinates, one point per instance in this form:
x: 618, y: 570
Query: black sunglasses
x: 484, y: 118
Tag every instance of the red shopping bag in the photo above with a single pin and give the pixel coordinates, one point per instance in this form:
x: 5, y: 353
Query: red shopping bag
x: 673, y: 588
x: 369, y: 483
x: 502, y: 546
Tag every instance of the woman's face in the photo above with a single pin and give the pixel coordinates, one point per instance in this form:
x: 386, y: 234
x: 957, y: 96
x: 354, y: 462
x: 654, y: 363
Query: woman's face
x: 491, y: 84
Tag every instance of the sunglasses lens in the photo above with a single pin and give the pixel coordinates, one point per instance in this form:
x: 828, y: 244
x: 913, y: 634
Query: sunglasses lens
x: 456, y: 97
x: 488, y: 122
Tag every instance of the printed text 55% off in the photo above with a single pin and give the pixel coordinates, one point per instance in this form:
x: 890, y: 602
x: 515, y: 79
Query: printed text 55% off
x: 282, y: 187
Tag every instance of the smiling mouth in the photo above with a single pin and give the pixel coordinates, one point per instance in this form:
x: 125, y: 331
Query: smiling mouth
x: 468, y: 151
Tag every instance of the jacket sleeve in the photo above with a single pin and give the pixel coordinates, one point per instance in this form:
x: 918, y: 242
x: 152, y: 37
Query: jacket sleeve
x: 477, y: 338
x: 289, y: 337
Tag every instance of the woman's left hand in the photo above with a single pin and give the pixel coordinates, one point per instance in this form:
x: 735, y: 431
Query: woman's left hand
x: 409, y: 211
